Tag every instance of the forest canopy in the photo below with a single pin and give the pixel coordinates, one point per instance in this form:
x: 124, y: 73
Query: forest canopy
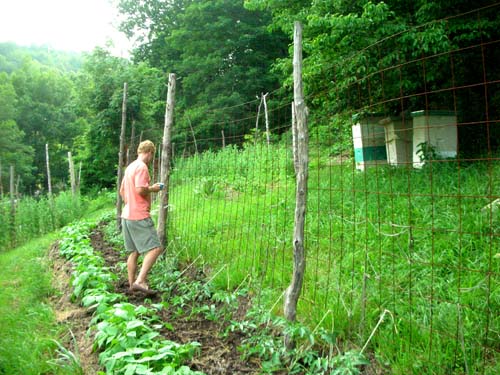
x: 224, y: 53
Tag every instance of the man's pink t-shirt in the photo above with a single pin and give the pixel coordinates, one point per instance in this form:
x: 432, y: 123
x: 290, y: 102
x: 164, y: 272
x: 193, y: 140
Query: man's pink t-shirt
x: 136, y: 206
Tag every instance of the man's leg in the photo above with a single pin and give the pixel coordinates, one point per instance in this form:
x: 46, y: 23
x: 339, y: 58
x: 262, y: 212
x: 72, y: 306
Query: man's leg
x: 132, y: 267
x: 149, y: 260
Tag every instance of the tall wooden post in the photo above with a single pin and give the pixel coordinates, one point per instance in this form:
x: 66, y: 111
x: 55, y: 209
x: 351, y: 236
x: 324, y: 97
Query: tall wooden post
x: 12, y: 208
x: 78, y: 180
x: 257, y: 121
x: 120, y: 159
x: 165, y: 160
x: 294, y: 141
x: 299, y: 262
x: 266, y: 117
x: 47, y: 161
x: 72, y: 175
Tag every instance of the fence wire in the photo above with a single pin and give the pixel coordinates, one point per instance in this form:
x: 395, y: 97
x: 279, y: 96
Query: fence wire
x: 403, y: 217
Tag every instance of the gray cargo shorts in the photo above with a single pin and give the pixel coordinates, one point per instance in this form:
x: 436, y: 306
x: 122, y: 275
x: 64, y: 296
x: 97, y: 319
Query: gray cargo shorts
x: 140, y: 235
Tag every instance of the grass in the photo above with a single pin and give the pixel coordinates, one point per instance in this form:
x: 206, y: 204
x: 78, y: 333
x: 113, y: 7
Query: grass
x: 27, y: 320
x: 30, y: 336
x: 414, y: 242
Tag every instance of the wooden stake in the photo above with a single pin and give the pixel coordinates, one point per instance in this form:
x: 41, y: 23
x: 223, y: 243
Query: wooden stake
x: 223, y: 139
x: 257, y: 121
x: 165, y: 160
x: 120, y: 159
x: 299, y: 262
x: 12, y: 208
x: 72, y: 174
x: 159, y: 159
x: 266, y: 117
x: 49, y: 181
x: 295, y: 151
x: 79, y: 176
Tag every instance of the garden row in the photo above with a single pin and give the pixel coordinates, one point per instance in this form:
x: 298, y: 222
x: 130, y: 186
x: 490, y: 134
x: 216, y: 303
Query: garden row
x: 130, y: 338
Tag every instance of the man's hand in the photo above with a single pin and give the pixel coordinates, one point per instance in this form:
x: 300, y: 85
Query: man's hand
x: 155, y: 188
x: 145, y: 191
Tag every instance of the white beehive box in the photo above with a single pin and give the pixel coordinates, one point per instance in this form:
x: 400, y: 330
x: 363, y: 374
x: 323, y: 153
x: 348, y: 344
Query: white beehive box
x: 398, y: 140
x: 369, y: 141
x: 438, y: 131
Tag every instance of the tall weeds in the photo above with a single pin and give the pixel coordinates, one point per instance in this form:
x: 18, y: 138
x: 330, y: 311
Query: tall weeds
x: 416, y: 243
x: 35, y: 217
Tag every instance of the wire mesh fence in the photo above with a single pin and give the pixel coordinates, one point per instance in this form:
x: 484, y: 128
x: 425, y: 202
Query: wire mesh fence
x: 403, y: 218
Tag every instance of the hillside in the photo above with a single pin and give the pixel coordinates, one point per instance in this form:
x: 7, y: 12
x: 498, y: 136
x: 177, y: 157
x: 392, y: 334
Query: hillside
x: 13, y: 56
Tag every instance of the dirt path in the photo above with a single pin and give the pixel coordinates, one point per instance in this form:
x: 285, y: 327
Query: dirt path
x: 76, y: 319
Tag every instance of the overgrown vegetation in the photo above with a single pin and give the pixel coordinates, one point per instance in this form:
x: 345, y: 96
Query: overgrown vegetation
x: 413, y: 246
x: 188, y: 292
x: 33, y: 217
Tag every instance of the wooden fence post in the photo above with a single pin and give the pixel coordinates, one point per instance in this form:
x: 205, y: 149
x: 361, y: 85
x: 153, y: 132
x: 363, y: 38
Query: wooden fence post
x: 47, y: 161
x: 12, y: 208
x: 257, y: 121
x: 165, y: 160
x: 79, y: 176
x: 266, y: 118
x: 120, y: 160
x: 72, y: 174
x: 299, y: 262
x: 294, y: 141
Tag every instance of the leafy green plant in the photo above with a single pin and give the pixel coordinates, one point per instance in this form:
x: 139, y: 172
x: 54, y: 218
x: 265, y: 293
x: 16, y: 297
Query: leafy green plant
x: 426, y: 152
x: 207, y: 187
x: 126, y: 335
x: 348, y: 363
x: 264, y: 334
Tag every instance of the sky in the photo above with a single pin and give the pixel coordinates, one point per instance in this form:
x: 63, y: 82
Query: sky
x: 67, y: 25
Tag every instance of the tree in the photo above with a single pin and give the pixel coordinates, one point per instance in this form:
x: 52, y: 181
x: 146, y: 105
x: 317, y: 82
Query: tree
x: 220, y: 52
x: 13, y: 149
x: 348, y: 44
x: 101, y: 89
x: 45, y: 115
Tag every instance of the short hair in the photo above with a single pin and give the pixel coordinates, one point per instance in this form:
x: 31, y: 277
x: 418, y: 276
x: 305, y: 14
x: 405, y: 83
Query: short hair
x: 145, y: 147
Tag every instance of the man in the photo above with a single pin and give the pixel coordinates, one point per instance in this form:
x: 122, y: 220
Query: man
x: 139, y: 232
